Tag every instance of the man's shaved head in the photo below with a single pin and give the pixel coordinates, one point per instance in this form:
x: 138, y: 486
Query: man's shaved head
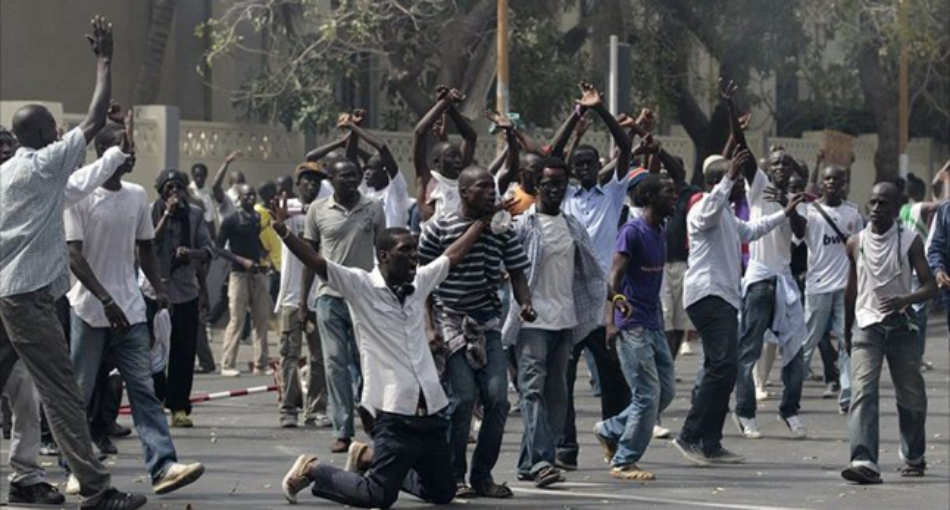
x: 471, y: 175
x: 888, y: 189
x: 34, y: 126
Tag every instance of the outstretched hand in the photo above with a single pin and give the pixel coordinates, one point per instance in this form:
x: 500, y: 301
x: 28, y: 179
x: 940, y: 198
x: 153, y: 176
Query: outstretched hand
x: 796, y: 199
x: 740, y: 162
x: 727, y: 91
x: 744, y: 121
x: 231, y: 157
x: 357, y: 116
x: 590, y: 96
x: 278, y: 209
x: 344, y: 119
x: 101, y: 38
x: 441, y: 92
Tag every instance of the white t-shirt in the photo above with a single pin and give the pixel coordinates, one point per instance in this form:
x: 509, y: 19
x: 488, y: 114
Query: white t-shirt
x: 828, y: 265
x: 445, y: 194
x: 553, y: 295
x: 213, y: 211
x: 395, y: 200
x: 773, y: 250
x: 109, y: 223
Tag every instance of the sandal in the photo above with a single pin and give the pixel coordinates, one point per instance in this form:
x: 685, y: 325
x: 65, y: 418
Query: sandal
x: 491, y: 489
x: 464, y: 491
x: 914, y: 470
x: 631, y: 472
x: 862, y: 475
x: 547, y: 476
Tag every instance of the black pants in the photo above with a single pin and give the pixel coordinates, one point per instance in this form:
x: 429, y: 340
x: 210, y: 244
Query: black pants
x: 829, y: 359
x: 614, y: 392
x: 718, y: 324
x: 410, y: 453
x: 175, y: 388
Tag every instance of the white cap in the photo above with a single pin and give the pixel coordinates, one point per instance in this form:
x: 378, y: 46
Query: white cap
x: 712, y: 160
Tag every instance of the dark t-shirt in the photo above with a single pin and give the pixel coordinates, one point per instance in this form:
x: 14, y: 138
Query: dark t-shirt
x: 646, y: 248
x: 677, y: 245
x: 242, y: 230
x: 472, y: 285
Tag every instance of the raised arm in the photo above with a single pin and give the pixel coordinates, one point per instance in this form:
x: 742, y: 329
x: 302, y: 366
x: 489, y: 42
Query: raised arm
x: 673, y: 167
x: 469, y: 136
x: 389, y: 162
x: 216, y: 185
x: 582, y: 126
x: 101, y: 41
x: 593, y: 100
x: 511, y: 153
x: 564, y: 132
x: 321, y: 152
x: 460, y: 248
x: 420, y: 156
x: 737, y: 136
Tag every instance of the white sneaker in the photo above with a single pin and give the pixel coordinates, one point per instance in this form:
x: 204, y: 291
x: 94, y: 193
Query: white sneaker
x: 178, y: 476
x: 72, y: 486
x: 795, y: 425
x: 661, y: 432
x: 748, y: 427
x: 761, y: 394
x: 230, y: 372
x: 320, y: 421
x: 685, y: 349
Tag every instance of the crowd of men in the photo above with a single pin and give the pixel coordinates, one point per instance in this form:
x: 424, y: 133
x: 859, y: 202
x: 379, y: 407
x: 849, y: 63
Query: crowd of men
x: 418, y: 317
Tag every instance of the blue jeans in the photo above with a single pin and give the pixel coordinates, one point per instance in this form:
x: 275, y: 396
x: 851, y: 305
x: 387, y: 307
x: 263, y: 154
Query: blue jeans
x: 542, y: 382
x: 648, y: 366
x: 758, y: 309
x: 824, y: 313
x: 869, y: 348
x: 340, y: 353
x: 130, y: 353
x: 490, y: 385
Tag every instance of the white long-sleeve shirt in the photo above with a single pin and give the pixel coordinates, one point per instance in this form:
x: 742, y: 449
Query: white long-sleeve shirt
x: 715, y: 238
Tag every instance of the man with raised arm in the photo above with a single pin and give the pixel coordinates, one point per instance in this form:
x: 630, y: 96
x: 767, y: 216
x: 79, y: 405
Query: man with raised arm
x: 33, y: 271
x: 402, y: 388
x: 446, y: 159
x: 712, y: 297
x: 596, y: 202
x: 382, y: 179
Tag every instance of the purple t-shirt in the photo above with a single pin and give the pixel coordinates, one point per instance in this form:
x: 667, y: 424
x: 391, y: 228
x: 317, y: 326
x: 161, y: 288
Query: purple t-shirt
x: 646, y: 248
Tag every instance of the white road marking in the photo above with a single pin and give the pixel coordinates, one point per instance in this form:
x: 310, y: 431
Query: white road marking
x: 668, y: 501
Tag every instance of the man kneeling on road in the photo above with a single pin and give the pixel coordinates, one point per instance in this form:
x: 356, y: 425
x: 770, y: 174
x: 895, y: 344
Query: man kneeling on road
x: 402, y: 386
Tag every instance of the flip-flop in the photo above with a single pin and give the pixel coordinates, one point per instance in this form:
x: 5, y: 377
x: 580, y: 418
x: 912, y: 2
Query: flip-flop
x: 632, y: 472
x: 492, y: 490
x: 547, y: 476
x: 914, y: 470
x: 862, y: 475
x: 464, y: 491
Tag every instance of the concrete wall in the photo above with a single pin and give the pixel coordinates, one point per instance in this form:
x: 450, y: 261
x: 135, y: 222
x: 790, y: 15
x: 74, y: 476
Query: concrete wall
x: 44, y: 57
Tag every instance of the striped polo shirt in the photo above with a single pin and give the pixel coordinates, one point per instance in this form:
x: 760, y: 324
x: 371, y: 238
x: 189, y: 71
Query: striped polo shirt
x: 472, y: 285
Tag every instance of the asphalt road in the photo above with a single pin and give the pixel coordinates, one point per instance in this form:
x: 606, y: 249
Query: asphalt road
x: 246, y: 455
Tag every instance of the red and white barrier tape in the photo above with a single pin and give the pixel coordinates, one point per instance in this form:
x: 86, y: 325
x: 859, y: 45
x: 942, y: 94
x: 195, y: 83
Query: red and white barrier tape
x: 207, y: 397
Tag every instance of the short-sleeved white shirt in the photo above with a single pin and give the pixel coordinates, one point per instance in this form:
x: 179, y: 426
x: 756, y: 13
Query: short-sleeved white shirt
x: 395, y: 200
x: 394, y: 350
x: 108, y: 223
x: 828, y: 265
x: 774, y: 249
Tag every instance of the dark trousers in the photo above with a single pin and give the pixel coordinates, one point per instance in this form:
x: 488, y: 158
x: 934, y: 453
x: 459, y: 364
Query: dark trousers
x: 829, y: 359
x: 718, y: 324
x: 411, y: 453
x: 614, y: 392
x: 203, y: 345
x: 106, y: 399
x: 174, y: 389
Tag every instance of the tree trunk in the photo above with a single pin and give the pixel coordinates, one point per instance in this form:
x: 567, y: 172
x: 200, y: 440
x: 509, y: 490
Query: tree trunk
x: 881, y: 99
x: 150, y: 71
